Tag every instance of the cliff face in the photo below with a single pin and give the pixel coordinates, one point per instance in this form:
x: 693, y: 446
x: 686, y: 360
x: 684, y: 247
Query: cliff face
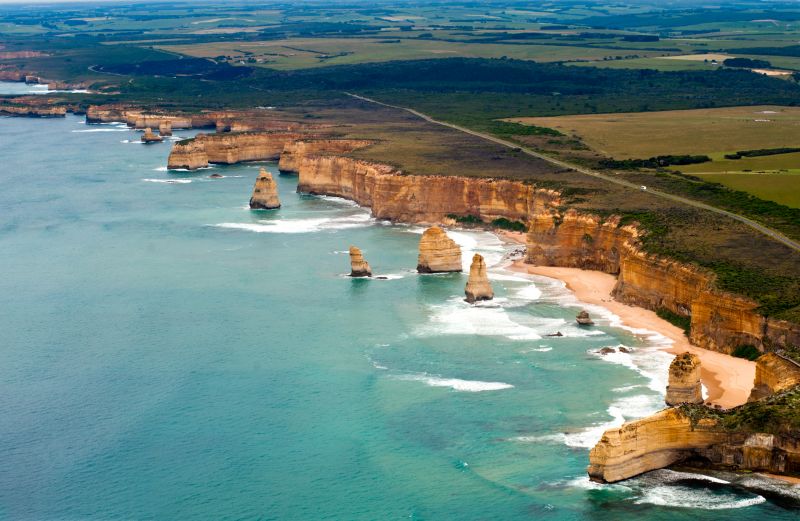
x: 684, y: 380
x: 265, y: 192
x: 140, y: 119
x: 228, y: 148
x: 773, y: 375
x: 438, y: 253
x: 420, y: 199
x: 294, y: 150
x: 33, y: 111
x: 651, y: 443
x: 719, y: 321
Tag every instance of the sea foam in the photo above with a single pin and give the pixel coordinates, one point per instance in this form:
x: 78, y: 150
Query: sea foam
x: 471, y: 386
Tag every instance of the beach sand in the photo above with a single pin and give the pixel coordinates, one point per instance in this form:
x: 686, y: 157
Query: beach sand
x: 727, y: 379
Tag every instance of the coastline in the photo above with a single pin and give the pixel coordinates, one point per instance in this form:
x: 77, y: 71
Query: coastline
x: 727, y: 379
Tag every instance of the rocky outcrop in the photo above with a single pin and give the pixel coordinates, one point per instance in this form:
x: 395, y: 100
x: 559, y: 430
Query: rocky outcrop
x: 165, y: 128
x: 720, y: 321
x: 438, y: 253
x: 774, y: 374
x: 294, y: 150
x: 420, y: 199
x: 228, y: 149
x: 684, y: 380
x: 149, y: 137
x: 358, y: 266
x: 34, y: 111
x: 478, y: 286
x: 141, y: 119
x: 265, y: 192
x: 651, y: 443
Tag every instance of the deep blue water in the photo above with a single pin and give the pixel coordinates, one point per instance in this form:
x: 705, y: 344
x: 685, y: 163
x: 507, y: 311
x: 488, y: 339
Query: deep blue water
x: 166, y: 353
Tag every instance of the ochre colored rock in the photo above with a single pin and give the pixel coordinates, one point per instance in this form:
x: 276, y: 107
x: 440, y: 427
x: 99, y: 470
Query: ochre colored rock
x: 478, y: 286
x: 189, y: 154
x: 773, y: 375
x: 265, y: 192
x: 229, y: 148
x: 165, y: 128
x: 651, y: 443
x: 684, y: 380
x: 149, y: 137
x: 584, y: 319
x: 293, y: 151
x: 33, y: 111
x: 358, y: 266
x: 438, y: 253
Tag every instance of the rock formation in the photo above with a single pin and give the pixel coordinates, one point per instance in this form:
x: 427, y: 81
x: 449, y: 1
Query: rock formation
x: 265, y: 192
x: 149, y: 137
x: 358, y: 266
x: 774, y: 374
x: 648, y: 444
x: 684, y: 380
x: 293, y: 151
x: 438, y: 253
x: 33, y: 111
x: 165, y: 128
x: 584, y: 319
x: 478, y: 286
x: 228, y: 148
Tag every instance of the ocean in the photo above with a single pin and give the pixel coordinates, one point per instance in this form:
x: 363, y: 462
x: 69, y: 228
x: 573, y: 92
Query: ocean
x: 167, y: 353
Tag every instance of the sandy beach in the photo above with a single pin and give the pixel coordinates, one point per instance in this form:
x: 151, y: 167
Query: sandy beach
x: 727, y: 379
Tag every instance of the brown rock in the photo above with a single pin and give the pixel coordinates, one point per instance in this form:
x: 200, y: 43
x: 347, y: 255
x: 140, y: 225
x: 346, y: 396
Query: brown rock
x: 438, y: 253
x: 165, y: 128
x: 584, y: 319
x: 358, y: 266
x: 773, y: 375
x: 684, y: 380
x: 265, y: 192
x: 149, y: 137
x: 478, y: 286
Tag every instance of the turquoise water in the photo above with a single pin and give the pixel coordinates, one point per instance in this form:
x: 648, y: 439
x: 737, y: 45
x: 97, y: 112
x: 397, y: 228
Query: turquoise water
x: 167, y: 353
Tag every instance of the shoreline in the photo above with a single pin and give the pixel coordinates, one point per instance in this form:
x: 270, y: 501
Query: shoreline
x: 728, y: 380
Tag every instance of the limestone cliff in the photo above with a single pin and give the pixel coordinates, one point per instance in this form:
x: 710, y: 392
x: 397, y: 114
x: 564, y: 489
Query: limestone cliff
x: 34, y: 111
x: 420, y: 199
x: 478, y: 286
x: 228, y: 148
x: 684, y: 380
x: 165, y: 128
x: 358, y: 266
x: 774, y: 374
x: 720, y: 321
x: 651, y: 443
x: 438, y: 253
x: 294, y: 150
x: 140, y: 119
x: 149, y: 137
x: 265, y: 192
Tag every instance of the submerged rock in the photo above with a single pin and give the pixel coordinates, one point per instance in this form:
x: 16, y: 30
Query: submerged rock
x: 265, y: 192
x: 584, y: 319
x: 684, y: 380
x: 149, y: 137
x: 358, y: 266
x: 438, y: 253
x: 478, y: 286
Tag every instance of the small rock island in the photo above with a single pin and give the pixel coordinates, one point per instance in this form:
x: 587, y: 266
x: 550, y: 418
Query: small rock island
x: 358, y: 266
x: 438, y: 253
x: 150, y: 137
x: 478, y: 286
x: 265, y: 193
x: 684, y: 380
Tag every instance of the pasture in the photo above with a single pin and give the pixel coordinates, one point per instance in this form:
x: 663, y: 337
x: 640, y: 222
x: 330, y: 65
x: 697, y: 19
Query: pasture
x: 781, y: 188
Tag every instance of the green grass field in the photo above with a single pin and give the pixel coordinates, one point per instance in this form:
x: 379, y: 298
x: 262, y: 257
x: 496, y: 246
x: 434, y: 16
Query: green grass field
x: 781, y: 188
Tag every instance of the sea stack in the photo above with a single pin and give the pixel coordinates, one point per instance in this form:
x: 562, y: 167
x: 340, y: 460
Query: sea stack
x: 265, y: 192
x: 149, y: 137
x: 358, y: 266
x: 584, y: 319
x: 684, y: 380
x: 438, y: 253
x: 165, y: 128
x: 478, y: 287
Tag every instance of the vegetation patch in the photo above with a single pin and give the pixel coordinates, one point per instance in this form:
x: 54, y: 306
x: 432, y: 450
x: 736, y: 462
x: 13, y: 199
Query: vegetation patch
x: 747, y: 351
x: 506, y: 224
x: 762, y: 152
x: 675, y: 319
x: 466, y: 219
x: 653, y: 162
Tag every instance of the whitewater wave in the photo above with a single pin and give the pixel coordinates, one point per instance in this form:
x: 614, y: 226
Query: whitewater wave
x: 686, y: 490
x: 471, y: 386
x: 169, y: 181
x: 114, y: 129
x: 302, y: 225
x: 456, y: 317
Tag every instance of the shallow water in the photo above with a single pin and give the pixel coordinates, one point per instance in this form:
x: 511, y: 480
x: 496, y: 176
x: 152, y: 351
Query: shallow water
x: 167, y: 353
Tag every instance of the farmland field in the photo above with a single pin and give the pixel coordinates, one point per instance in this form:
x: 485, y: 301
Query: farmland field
x: 781, y: 188
x: 700, y: 131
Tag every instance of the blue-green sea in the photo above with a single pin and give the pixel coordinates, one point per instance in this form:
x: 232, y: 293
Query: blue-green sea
x: 168, y: 354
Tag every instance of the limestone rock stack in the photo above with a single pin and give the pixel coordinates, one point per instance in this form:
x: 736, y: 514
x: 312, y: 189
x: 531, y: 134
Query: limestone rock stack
x: 149, y: 137
x: 165, y: 128
x: 358, y: 266
x: 265, y: 192
x: 478, y: 286
x: 438, y: 253
x: 684, y: 380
